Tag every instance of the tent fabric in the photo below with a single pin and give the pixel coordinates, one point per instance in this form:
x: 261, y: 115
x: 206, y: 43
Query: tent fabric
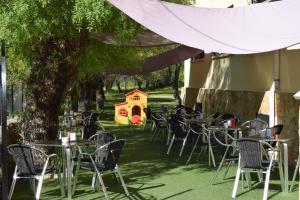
x: 163, y: 60
x: 174, y: 56
x: 242, y: 30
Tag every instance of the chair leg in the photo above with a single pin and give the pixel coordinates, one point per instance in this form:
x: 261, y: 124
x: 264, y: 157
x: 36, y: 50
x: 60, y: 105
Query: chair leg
x: 102, y: 186
x: 294, y: 177
x: 94, y: 181
x: 76, y: 175
x: 122, y: 180
x: 227, y: 169
x: 182, y: 148
x: 154, y: 133
x: 219, y: 168
x: 194, y: 147
x: 39, y: 188
x: 260, y: 177
x: 266, y: 187
x: 236, y: 182
x: 281, y: 176
x: 171, y: 144
x: 62, y: 189
x: 116, y: 177
x: 153, y: 127
x: 12, y: 187
x: 248, y: 179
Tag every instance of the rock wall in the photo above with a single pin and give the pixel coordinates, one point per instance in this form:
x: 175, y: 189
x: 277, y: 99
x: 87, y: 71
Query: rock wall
x: 243, y: 103
x: 189, y: 96
x: 287, y: 113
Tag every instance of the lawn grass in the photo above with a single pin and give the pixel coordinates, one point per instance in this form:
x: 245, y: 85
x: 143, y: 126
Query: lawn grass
x: 152, y: 175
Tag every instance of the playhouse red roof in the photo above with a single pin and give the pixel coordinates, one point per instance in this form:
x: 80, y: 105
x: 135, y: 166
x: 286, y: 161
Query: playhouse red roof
x: 134, y: 91
x: 119, y: 104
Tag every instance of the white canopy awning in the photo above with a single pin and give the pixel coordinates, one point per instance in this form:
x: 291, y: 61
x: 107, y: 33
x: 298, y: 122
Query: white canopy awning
x: 242, y: 30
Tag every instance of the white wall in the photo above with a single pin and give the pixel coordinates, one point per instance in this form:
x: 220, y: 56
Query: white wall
x: 245, y: 72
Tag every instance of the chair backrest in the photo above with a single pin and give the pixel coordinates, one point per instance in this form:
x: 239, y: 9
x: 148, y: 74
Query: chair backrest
x: 112, y: 153
x: 93, y: 118
x: 277, y: 129
x: 176, y: 126
x: 103, y: 138
x: 23, y: 157
x: 184, y: 110
x: 89, y: 130
x: 224, y: 139
x: 250, y: 151
x: 85, y: 117
x: 85, y: 114
x: 255, y: 126
x: 198, y: 107
x: 148, y: 113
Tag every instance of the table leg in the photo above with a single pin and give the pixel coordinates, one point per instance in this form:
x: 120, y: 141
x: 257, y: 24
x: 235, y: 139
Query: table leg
x: 286, y: 167
x: 69, y: 173
x: 63, y: 153
x: 211, y: 153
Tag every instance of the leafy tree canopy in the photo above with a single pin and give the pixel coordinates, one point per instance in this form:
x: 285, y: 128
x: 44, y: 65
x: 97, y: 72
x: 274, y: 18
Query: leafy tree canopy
x: 26, y: 24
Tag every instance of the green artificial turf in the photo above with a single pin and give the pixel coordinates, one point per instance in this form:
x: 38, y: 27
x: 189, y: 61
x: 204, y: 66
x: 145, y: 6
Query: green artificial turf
x: 150, y: 174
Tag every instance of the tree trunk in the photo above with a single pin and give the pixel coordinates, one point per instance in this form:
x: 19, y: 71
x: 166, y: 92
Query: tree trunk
x: 118, y: 83
x: 100, y: 95
x: 74, y: 98
x: 175, y: 84
x: 109, y: 82
x: 87, y: 93
x: 51, y: 76
x: 139, y: 82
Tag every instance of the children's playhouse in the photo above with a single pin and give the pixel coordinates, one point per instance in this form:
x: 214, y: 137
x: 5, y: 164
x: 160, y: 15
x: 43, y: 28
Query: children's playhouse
x: 132, y: 110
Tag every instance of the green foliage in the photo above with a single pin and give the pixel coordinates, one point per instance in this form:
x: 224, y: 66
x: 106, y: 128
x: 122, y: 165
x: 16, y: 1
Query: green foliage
x: 100, y: 57
x: 27, y: 25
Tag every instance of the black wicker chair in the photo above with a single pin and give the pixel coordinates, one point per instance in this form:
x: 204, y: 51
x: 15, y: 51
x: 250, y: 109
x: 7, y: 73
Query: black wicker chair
x: 251, y: 160
x: 102, y: 138
x: 104, y: 159
x: 27, y: 169
x: 178, y: 129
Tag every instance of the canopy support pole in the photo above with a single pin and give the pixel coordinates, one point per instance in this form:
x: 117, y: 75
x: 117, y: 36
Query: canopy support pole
x: 4, y: 156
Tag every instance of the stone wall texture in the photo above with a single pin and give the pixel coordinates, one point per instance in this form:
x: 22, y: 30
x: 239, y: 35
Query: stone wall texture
x: 246, y: 104
x: 287, y: 113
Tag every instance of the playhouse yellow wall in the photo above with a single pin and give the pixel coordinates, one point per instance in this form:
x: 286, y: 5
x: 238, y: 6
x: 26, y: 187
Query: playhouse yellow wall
x: 118, y: 118
x: 131, y: 102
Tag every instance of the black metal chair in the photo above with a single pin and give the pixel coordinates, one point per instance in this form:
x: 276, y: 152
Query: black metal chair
x: 201, y: 141
x: 254, y: 126
x: 251, y: 160
x: 104, y: 159
x: 149, y: 119
x: 27, y: 169
x: 88, y: 131
x: 93, y: 119
x: 178, y: 129
x: 230, y: 155
x: 102, y: 138
x: 159, y: 125
x: 85, y: 118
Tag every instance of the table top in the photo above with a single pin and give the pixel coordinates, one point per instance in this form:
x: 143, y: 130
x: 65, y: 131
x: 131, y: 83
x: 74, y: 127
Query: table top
x: 58, y: 143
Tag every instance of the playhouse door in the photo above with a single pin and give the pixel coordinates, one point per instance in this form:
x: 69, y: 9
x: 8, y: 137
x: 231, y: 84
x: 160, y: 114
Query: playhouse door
x: 136, y: 110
